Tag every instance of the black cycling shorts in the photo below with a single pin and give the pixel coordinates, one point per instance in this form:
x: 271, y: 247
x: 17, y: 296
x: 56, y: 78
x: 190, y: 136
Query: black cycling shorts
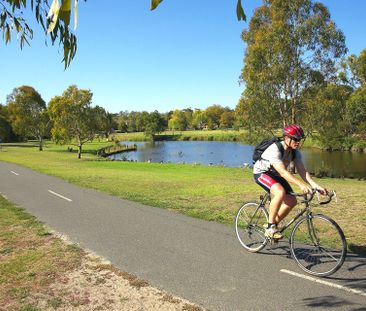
x: 268, y: 179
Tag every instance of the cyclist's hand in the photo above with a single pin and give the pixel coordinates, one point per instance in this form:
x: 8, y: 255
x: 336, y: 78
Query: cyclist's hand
x: 322, y: 190
x: 305, y: 189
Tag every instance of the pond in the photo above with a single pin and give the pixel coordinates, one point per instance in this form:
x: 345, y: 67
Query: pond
x: 232, y: 154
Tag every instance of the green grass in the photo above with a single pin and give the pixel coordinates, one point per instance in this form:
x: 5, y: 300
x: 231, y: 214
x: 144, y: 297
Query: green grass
x: 210, y: 193
x: 140, y: 136
x: 214, y: 135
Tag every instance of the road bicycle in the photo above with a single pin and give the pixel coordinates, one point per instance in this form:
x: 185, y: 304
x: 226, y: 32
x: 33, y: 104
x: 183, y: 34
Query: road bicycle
x: 317, y: 243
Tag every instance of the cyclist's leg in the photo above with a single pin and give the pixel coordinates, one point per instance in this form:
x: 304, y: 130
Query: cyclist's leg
x: 270, y: 182
x: 278, y: 187
x: 289, y: 202
x: 278, y: 195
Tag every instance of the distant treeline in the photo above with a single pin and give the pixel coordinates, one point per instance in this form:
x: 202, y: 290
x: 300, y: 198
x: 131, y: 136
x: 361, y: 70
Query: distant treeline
x: 214, y: 117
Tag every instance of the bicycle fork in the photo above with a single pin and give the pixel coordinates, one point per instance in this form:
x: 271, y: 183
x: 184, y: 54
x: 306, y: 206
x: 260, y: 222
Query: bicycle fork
x: 313, y: 236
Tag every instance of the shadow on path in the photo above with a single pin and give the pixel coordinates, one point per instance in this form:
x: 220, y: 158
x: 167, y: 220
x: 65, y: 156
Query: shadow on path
x: 352, y: 274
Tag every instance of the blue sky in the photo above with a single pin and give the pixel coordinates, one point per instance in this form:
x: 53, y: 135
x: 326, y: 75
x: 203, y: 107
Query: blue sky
x: 183, y: 54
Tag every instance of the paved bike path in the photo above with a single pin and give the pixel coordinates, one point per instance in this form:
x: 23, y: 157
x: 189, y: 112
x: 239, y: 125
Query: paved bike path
x: 198, y: 260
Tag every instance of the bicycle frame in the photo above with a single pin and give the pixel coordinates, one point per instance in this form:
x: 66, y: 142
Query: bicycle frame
x: 298, y: 215
x: 307, y: 210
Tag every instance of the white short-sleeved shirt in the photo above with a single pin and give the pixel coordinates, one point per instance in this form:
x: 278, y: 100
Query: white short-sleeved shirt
x: 272, y: 155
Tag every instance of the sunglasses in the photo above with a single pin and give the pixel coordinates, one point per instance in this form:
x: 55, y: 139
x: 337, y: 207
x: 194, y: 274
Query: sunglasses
x: 296, y: 140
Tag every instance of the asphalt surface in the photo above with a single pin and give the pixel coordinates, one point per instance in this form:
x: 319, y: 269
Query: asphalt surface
x: 198, y: 260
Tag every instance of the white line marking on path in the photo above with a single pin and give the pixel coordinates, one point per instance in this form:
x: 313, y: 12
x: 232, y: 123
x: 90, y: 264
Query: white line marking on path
x: 309, y: 278
x: 14, y: 173
x: 59, y: 195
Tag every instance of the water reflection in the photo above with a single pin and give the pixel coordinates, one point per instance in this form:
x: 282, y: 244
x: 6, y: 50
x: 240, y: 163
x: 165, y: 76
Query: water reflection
x: 346, y: 163
x: 336, y: 163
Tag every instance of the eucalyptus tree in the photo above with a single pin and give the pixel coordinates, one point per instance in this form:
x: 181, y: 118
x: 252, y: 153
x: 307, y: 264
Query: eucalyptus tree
x: 132, y: 121
x: 188, y: 113
x: 328, y: 115
x: 178, y: 121
x: 199, y: 119
x: 227, y: 119
x: 74, y: 120
x: 106, y: 121
x: 353, y: 70
x: 142, y: 119
x: 353, y: 75
x: 6, y: 132
x: 155, y: 124
x: 213, y: 114
x: 241, y: 114
x: 122, y: 121
x: 291, y: 46
x: 28, y: 113
x: 356, y: 112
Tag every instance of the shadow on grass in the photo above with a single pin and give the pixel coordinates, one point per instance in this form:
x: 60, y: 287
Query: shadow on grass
x: 23, y: 145
x: 75, y: 150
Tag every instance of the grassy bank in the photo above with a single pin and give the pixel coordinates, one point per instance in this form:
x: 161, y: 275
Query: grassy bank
x: 216, y: 135
x: 211, y: 193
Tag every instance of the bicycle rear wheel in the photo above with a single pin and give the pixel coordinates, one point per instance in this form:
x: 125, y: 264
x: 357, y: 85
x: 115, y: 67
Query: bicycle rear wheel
x: 318, y: 245
x: 249, y: 226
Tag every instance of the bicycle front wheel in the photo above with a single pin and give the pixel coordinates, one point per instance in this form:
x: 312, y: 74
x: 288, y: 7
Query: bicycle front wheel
x: 318, y: 245
x: 249, y: 225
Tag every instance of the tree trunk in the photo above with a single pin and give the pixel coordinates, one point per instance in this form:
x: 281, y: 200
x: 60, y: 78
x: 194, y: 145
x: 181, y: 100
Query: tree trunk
x: 40, y: 143
x: 293, y: 111
x: 79, y: 151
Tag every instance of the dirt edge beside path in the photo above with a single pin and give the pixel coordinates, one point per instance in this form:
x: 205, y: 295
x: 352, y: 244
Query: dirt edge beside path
x: 98, y: 285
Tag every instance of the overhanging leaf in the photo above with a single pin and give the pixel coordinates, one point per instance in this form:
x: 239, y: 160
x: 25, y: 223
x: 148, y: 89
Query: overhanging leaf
x: 240, y: 12
x: 66, y: 5
x: 53, y: 21
x: 17, y: 25
x: 75, y: 14
x: 53, y: 12
x: 7, y: 34
x: 65, y: 12
x: 2, y: 19
x: 154, y: 4
x: 54, y: 6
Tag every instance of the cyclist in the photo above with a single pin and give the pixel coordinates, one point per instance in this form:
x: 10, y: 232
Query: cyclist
x: 271, y: 173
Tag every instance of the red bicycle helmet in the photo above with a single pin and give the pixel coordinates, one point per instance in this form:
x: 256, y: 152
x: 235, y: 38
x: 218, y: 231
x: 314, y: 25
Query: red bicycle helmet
x: 293, y: 131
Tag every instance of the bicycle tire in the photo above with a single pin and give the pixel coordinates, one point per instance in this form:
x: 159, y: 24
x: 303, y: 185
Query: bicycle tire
x: 249, y: 229
x: 318, y: 245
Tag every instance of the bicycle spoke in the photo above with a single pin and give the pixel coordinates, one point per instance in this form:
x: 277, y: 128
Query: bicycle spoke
x: 329, y: 255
